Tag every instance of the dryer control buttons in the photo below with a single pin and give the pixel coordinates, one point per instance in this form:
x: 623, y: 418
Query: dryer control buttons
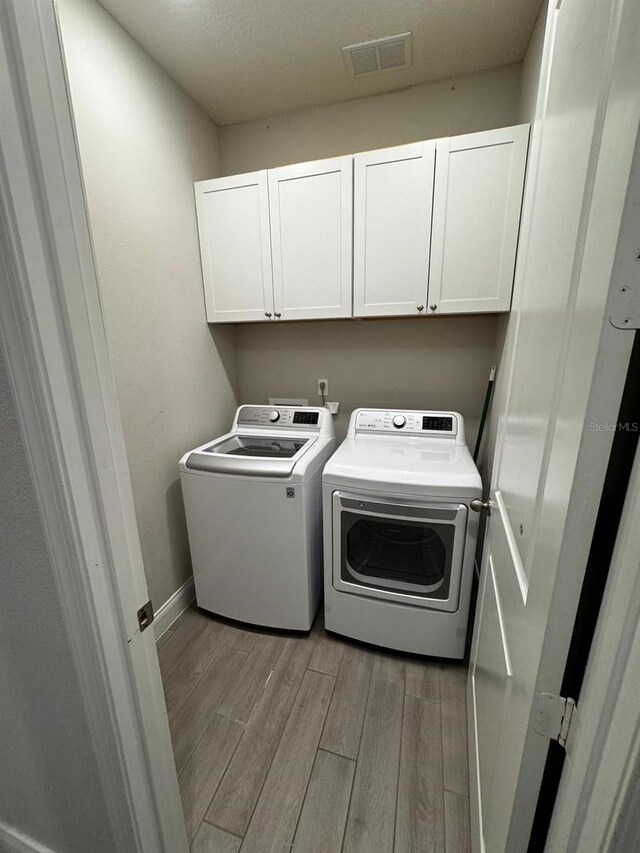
x: 274, y: 416
x: 393, y: 422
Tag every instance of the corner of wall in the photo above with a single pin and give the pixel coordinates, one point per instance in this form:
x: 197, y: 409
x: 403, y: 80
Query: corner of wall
x: 143, y: 142
x: 531, y: 65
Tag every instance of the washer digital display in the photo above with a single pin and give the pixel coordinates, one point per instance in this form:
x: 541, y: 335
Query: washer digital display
x: 305, y: 418
x: 437, y: 424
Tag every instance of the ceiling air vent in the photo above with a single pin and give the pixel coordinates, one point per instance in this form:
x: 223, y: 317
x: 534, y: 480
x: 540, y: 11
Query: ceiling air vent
x: 385, y: 54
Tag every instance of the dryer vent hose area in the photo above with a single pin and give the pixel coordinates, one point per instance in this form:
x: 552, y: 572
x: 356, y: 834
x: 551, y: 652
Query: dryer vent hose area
x: 485, y: 410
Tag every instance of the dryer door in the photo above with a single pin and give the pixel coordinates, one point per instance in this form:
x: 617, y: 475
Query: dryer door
x: 406, y: 552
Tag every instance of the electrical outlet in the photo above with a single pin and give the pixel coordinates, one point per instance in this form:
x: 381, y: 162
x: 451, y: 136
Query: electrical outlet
x: 323, y: 388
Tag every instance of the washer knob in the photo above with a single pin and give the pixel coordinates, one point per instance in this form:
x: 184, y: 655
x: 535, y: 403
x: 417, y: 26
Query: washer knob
x: 274, y: 416
x: 399, y: 421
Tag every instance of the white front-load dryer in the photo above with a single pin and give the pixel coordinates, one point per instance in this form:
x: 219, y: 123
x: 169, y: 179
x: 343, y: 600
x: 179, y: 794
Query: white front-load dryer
x: 253, y: 502
x: 400, y: 533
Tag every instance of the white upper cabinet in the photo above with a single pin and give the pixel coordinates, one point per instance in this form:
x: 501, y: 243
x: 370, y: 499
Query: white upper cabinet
x: 420, y: 229
x: 235, y: 246
x: 476, y: 216
x: 311, y: 239
x: 393, y: 196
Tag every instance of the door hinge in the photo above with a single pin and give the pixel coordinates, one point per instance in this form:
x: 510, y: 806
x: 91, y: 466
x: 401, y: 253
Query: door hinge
x: 552, y: 716
x: 145, y: 616
x: 625, y: 300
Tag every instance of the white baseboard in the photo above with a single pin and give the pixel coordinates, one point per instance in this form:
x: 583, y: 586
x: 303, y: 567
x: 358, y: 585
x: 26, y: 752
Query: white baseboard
x: 167, y: 614
x: 13, y: 841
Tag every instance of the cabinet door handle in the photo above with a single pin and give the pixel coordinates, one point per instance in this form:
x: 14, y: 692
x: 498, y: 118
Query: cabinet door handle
x: 420, y: 307
x: 267, y: 313
x: 433, y: 307
x: 278, y: 314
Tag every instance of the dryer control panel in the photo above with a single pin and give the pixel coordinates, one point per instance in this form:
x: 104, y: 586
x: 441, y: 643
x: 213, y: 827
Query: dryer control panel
x: 400, y: 422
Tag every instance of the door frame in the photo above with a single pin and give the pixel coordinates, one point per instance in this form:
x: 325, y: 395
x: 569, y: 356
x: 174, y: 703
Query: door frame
x: 53, y: 340
x: 596, y: 806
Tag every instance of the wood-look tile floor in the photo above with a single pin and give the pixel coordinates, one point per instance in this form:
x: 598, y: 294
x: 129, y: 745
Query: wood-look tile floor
x: 312, y: 744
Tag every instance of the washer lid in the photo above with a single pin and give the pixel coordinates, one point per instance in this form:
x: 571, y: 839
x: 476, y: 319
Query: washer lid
x: 251, y: 455
x: 262, y: 446
x: 410, y: 465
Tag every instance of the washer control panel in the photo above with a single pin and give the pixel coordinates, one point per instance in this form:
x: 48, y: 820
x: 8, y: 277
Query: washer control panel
x: 434, y: 424
x: 280, y: 416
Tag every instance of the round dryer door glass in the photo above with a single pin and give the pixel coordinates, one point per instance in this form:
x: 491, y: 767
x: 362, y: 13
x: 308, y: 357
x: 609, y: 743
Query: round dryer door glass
x: 397, y: 554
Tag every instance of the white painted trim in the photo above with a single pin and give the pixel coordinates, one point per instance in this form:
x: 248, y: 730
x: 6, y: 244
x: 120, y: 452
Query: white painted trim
x: 501, y: 621
x: 173, y: 607
x: 602, y: 753
x: 13, y: 841
x: 52, y: 334
x: 523, y: 583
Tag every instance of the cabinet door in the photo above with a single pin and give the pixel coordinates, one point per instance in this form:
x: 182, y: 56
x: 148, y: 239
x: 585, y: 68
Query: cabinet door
x: 392, y: 229
x: 311, y: 213
x: 476, y: 217
x: 235, y: 247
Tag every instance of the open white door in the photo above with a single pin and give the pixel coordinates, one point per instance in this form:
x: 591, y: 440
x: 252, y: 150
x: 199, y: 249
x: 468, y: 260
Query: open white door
x: 562, y: 374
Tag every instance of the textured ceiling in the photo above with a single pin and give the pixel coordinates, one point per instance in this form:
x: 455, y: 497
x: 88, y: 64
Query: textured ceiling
x: 243, y: 59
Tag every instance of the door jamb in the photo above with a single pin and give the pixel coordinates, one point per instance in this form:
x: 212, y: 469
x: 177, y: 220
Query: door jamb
x: 596, y: 808
x: 590, y: 616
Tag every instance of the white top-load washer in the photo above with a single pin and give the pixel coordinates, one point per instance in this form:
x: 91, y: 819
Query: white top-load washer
x: 253, y: 501
x: 399, y: 531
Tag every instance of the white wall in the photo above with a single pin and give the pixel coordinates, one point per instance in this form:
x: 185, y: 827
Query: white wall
x: 436, y: 363
x: 143, y: 142
x: 430, y: 363
x: 462, y: 104
x: 49, y: 785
